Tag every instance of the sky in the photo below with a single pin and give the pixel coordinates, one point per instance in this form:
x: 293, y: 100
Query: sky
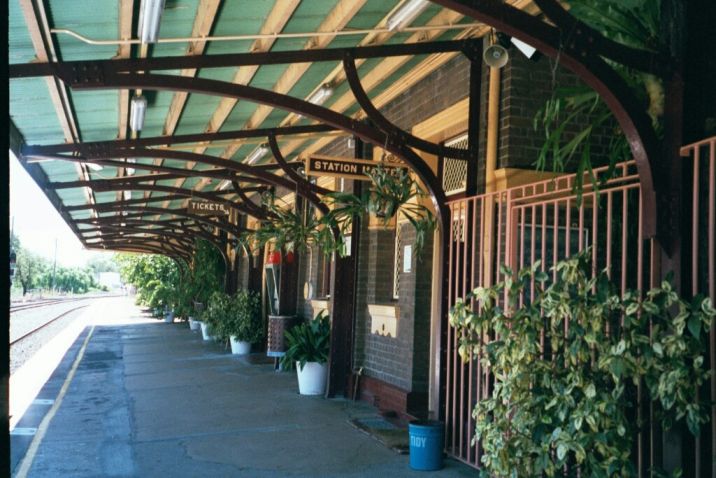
x: 38, y: 224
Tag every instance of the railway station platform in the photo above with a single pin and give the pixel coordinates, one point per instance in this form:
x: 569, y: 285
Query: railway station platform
x: 134, y: 396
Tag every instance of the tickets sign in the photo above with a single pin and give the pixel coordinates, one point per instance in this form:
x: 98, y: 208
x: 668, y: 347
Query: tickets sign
x: 207, y: 208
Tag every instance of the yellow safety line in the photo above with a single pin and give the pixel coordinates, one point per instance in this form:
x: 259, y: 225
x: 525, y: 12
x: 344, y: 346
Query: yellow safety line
x: 42, y: 429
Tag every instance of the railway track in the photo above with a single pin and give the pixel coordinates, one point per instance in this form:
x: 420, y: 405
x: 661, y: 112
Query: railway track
x: 47, y: 302
x: 45, y: 324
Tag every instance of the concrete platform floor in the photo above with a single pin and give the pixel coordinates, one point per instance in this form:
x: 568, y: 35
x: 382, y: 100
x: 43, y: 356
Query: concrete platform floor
x: 149, y: 399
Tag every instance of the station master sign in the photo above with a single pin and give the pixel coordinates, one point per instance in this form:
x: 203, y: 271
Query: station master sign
x: 347, y: 168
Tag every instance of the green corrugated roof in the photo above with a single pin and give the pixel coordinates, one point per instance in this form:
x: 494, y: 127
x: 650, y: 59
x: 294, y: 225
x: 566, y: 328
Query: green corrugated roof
x: 97, y: 112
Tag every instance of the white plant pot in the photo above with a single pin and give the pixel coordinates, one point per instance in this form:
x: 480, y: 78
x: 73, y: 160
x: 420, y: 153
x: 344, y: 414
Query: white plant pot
x: 205, y: 331
x: 239, y: 347
x: 194, y: 324
x: 312, y: 378
x: 169, y: 317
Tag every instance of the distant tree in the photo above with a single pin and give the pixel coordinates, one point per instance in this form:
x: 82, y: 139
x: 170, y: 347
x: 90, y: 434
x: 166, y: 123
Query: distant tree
x: 102, y: 263
x: 30, y: 267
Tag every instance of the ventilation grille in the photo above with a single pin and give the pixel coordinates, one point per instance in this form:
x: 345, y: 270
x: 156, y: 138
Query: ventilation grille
x: 458, y: 228
x: 455, y: 170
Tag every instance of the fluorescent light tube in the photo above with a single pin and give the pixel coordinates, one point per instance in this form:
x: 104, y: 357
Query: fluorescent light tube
x: 127, y: 195
x: 150, y: 16
x: 130, y: 171
x: 224, y: 184
x: 137, y: 113
x: 257, y: 154
x: 527, y: 50
x: 406, y: 14
x: 94, y: 167
x: 321, y: 94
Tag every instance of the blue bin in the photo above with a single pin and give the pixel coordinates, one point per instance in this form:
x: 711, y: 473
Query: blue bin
x: 426, y: 445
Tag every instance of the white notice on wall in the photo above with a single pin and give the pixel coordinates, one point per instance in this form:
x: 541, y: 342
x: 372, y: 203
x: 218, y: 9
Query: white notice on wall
x: 407, y: 258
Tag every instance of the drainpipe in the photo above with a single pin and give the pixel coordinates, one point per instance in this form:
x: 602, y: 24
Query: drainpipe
x: 493, y: 127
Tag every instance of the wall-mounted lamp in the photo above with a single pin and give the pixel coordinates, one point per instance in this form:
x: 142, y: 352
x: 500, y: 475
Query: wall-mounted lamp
x: 137, y: 113
x: 150, y: 16
x: 405, y: 15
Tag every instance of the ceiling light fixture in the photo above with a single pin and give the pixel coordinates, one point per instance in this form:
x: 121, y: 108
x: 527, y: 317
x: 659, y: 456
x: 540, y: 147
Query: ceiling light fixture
x: 224, y: 184
x: 257, y: 154
x: 94, y: 167
x: 150, y: 16
x: 127, y: 195
x: 406, y: 14
x: 130, y: 171
x: 137, y: 113
x: 321, y: 94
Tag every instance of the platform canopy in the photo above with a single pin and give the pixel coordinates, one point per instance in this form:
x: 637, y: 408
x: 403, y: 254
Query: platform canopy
x: 75, y: 137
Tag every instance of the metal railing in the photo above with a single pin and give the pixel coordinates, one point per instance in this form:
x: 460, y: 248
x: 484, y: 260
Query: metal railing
x: 546, y: 221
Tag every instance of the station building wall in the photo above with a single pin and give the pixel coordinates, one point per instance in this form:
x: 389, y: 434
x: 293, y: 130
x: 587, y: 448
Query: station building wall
x: 395, y: 369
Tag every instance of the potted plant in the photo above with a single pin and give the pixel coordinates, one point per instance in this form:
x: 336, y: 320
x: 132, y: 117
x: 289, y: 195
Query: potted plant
x: 243, y: 324
x: 216, y: 314
x: 308, y: 348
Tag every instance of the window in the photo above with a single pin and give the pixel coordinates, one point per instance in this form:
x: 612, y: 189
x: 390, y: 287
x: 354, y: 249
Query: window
x: 455, y: 170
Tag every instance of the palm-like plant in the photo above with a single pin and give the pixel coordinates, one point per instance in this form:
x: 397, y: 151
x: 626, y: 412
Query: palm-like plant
x: 308, y: 342
x: 634, y: 23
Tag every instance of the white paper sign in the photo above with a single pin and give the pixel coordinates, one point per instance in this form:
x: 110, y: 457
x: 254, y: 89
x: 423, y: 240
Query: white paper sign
x: 407, y: 258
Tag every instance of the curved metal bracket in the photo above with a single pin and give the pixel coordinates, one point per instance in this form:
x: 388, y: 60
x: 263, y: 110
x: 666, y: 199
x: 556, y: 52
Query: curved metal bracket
x: 349, y: 66
x: 302, y: 183
x: 580, y: 32
x: 595, y: 72
x: 224, y: 226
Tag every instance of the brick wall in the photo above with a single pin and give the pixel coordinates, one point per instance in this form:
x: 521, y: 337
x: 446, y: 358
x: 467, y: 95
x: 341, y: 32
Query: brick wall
x: 402, y: 362
x: 525, y: 87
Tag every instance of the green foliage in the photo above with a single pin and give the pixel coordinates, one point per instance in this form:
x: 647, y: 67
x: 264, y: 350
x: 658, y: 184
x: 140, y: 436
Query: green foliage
x: 244, y: 318
x: 218, y: 313
x: 634, y: 23
x: 393, y: 192
x: 568, y: 398
x: 207, y: 271
x: 102, y: 263
x: 34, y: 271
x: 155, y: 277
x: 308, y: 342
x: 29, y: 269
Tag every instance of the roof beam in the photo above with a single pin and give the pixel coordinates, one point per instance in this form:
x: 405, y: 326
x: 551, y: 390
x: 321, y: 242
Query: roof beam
x: 276, y: 20
x: 136, y: 65
x: 183, y: 138
x: 204, y: 20
x: 126, y: 8
x: 39, y: 30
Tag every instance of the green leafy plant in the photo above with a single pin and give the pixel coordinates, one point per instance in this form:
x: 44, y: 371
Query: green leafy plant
x: 217, y: 314
x: 393, y: 191
x: 574, y: 114
x: 244, y: 320
x: 308, y: 342
x: 567, y: 399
